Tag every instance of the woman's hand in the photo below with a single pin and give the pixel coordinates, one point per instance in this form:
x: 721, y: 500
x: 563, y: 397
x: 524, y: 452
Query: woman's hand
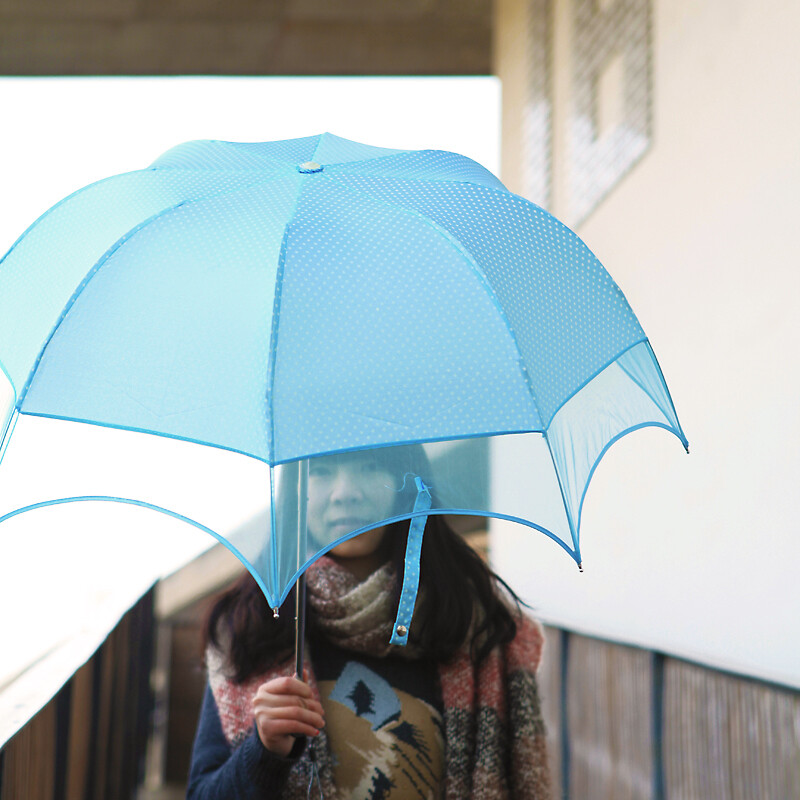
x: 285, y: 708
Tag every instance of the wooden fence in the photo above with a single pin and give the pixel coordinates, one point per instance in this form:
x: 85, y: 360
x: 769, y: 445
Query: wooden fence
x: 89, y: 742
x: 623, y: 724
x: 630, y: 724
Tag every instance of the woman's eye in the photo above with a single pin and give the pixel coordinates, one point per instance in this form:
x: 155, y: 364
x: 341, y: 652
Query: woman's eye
x: 319, y: 471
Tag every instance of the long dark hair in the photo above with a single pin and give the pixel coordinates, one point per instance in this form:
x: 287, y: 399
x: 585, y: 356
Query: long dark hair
x: 456, y: 586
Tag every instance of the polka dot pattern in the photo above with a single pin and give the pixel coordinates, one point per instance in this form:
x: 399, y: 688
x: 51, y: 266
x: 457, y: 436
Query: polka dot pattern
x: 427, y: 165
x: 237, y: 156
x: 386, y: 333
x: 42, y: 271
x: 171, y: 334
x: 393, y: 296
x: 389, y: 297
x: 567, y: 316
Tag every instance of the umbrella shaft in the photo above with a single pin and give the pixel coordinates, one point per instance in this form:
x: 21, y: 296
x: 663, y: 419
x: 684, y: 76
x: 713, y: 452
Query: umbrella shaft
x: 300, y: 588
x: 300, y: 623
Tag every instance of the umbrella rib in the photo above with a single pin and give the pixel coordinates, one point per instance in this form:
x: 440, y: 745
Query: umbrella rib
x: 481, y: 278
x: 504, y: 193
x: 342, y: 169
x: 343, y: 165
x: 8, y: 429
x: 152, y: 507
x: 228, y: 147
x: 432, y: 512
x: 614, y: 440
x: 591, y: 377
x: 61, y: 202
x: 273, y: 335
x: 82, y: 285
x: 394, y: 154
x: 4, y: 370
x: 89, y: 186
x: 501, y: 190
x: 133, y: 429
x: 395, y: 443
x: 280, y: 162
x: 574, y: 529
x: 682, y: 436
x: 276, y: 164
x: 272, y: 357
x: 501, y: 193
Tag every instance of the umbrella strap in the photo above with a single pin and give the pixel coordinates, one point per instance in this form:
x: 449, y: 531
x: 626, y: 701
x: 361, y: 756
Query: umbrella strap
x: 408, y: 595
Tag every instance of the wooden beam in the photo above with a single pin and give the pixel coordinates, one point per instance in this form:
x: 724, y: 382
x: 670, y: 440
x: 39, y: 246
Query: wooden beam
x: 262, y: 42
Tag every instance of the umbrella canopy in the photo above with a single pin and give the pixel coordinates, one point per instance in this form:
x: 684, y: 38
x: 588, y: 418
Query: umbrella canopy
x: 299, y: 301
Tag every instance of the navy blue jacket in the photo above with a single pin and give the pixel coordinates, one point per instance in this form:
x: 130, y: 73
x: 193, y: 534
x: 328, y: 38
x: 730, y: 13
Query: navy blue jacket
x: 251, y: 772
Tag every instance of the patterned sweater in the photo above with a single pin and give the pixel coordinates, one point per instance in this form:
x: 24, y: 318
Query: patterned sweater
x: 494, y: 738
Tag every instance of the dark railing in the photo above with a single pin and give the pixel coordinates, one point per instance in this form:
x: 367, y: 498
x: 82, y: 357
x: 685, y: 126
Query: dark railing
x: 89, y: 742
x: 623, y: 724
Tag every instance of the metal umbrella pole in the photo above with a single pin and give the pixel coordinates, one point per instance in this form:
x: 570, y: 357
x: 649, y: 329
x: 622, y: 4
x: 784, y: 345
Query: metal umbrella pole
x: 300, y: 586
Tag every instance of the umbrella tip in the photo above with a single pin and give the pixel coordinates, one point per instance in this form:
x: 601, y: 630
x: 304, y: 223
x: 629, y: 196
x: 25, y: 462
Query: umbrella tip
x: 580, y: 566
x: 275, y: 613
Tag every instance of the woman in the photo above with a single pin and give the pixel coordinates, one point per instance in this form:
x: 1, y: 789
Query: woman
x: 452, y: 714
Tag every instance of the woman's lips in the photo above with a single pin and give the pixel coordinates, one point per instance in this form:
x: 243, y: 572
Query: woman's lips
x: 351, y: 523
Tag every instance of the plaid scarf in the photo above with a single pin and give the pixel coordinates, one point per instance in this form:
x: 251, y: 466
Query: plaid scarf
x: 494, y: 732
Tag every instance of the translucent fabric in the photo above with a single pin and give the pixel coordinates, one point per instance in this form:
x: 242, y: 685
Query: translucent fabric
x: 350, y: 492
x: 292, y: 300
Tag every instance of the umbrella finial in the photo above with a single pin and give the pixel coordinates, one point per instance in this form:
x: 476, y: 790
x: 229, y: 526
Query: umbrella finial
x: 309, y: 166
x: 275, y: 613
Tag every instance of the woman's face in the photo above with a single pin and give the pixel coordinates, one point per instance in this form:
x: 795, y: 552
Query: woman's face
x: 346, y: 493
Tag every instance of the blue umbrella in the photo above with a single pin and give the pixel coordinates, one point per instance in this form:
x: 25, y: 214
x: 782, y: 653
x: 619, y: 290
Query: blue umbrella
x: 302, y: 301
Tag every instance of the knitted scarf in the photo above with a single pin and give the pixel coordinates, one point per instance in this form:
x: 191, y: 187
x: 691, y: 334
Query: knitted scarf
x: 494, y: 732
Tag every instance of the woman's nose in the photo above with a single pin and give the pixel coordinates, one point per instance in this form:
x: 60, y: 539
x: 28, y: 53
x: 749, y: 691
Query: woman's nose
x: 345, y: 487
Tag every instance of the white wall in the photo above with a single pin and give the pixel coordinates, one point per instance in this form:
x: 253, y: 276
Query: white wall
x: 697, y: 555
